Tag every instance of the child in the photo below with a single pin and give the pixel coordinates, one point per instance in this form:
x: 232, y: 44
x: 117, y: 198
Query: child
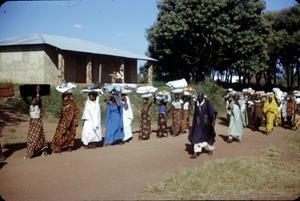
x: 162, y: 119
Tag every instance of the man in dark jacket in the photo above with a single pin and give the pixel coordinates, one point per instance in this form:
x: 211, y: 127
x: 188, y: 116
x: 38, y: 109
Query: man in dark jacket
x: 202, y: 133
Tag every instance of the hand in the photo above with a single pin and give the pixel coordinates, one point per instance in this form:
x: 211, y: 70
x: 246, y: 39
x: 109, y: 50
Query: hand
x: 38, y: 88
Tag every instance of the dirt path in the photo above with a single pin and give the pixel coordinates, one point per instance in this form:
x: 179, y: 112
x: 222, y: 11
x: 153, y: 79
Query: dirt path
x: 111, y: 173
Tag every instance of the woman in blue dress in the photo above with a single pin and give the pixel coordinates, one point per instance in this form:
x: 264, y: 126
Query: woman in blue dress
x: 114, y: 121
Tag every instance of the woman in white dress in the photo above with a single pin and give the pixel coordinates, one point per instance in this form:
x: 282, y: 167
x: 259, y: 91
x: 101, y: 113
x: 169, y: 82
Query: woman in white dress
x: 127, y: 118
x: 236, y: 125
x: 91, y: 132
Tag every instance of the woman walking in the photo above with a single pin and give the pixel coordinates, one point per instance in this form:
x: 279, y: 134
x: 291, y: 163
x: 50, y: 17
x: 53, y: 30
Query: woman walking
x: 236, y: 124
x: 186, y: 114
x: 91, y: 132
x: 177, y: 116
x: 258, y: 111
x: 145, y: 120
x: 66, y: 129
x: 127, y: 117
x: 114, y: 121
x: 36, y: 140
x: 271, y: 111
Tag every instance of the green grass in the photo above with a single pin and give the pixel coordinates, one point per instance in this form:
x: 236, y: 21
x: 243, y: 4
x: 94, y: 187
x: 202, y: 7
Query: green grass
x: 266, y: 174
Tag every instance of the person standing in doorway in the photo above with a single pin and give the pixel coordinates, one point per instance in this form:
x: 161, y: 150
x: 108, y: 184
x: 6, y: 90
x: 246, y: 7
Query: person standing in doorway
x: 113, y: 77
x: 120, y: 74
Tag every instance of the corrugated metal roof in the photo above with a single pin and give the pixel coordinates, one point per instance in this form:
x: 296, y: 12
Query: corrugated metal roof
x: 71, y: 44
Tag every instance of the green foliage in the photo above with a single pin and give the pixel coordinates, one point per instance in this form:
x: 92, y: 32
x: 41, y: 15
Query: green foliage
x: 195, y: 37
x: 284, y: 45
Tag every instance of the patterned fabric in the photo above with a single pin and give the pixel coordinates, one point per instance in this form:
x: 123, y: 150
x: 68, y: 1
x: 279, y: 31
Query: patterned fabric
x: 292, y: 117
x: 145, y: 122
x: 177, y: 121
x: 258, y: 113
x: 290, y: 108
x: 161, y: 125
x: 36, y: 140
x: 66, y: 128
x: 186, y: 120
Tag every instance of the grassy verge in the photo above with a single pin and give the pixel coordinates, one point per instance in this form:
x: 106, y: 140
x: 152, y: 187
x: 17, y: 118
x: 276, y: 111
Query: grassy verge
x: 267, y: 174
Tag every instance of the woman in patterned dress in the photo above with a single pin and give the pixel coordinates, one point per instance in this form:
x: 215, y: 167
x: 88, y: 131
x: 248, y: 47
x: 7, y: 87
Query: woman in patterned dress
x: 258, y: 111
x: 36, y: 140
x: 66, y: 129
x: 186, y: 114
x: 145, y: 120
x: 162, y: 119
x: 291, y: 112
x: 177, y: 116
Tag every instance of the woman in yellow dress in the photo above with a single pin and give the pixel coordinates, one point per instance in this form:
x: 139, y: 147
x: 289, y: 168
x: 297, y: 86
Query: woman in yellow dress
x: 271, y: 111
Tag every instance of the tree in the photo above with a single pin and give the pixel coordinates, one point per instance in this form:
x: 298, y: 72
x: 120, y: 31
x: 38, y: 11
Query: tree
x: 284, y: 48
x: 194, y: 37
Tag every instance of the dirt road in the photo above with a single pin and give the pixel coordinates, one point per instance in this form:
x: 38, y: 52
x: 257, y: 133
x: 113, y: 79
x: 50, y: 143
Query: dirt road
x: 112, y: 173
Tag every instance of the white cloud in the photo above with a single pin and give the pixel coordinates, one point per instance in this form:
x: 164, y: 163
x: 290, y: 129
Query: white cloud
x: 77, y: 26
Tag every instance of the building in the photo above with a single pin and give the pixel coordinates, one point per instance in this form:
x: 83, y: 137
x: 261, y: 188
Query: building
x: 48, y: 59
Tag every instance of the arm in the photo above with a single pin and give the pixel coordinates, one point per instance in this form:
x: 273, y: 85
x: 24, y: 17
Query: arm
x: 38, y: 88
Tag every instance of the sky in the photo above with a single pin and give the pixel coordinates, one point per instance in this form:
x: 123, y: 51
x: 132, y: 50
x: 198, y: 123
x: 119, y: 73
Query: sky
x: 120, y: 24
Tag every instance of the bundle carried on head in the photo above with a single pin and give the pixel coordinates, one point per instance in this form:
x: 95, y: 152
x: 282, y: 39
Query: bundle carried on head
x: 189, y: 91
x: 279, y: 95
x: 66, y: 88
x: 92, y: 89
x: 163, y: 95
x: 126, y: 88
x: 146, y: 91
x: 297, y: 96
x: 177, y: 86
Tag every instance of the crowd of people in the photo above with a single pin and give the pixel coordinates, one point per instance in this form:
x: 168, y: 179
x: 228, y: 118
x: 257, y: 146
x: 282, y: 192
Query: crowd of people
x: 244, y: 109
x: 252, y: 109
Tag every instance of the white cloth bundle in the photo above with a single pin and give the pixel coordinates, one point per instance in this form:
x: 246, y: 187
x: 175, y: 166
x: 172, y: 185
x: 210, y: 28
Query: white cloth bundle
x: 177, y: 84
x: 113, y: 88
x: 279, y: 95
x: 147, y: 95
x: 127, y: 88
x: 146, y: 89
x: 66, y: 88
x: 163, y: 96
